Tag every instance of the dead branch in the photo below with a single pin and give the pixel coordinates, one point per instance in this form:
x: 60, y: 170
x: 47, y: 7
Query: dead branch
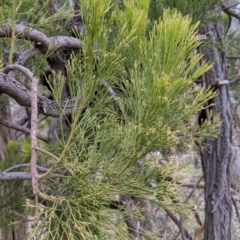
x: 10, y: 176
x: 189, y: 185
x: 21, y: 128
x: 27, y: 33
x: 24, y: 56
x: 21, y: 95
x: 230, y: 12
x: 21, y: 68
x: 42, y: 42
x: 194, y: 188
x: 64, y: 42
x: 177, y: 222
x: 233, y: 57
x: 197, y: 216
x: 39, y: 168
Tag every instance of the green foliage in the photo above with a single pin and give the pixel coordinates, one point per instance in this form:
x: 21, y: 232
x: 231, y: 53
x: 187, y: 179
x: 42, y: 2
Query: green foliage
x: 4, y: 10
x: 151, y: 66
x: 198, y: 10
x: 155, y: 102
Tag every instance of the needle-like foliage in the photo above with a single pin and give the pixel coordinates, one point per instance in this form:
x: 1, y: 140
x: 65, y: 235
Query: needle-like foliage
x: 132, y: 91
x: 151, y: 74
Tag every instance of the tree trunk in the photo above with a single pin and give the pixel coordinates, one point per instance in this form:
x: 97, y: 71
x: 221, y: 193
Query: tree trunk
x: 216, y: 157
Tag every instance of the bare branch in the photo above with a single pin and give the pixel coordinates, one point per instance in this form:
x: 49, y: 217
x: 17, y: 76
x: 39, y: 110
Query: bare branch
x: 21, y: 68
x: 24, y: 56
x: 15, y: 176
x: 42, y: 42
x: 64, y: 42
x: 234, y: 80
x: 11, y: 176
x: 226, y: 7
x: 42, y: 119
x: 47, y: 153
x: 39, y: 168
x: 230, y: 12
x: 191, y: 185
x: 194, y: 188
x: 21, y: 94
x: 233, y: 57
x: 21, y: 128
x: 27, y: 33
x: 177, y: 222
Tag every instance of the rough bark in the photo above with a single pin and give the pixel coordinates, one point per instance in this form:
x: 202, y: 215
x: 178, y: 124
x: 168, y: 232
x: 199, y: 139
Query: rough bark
x: 22, y: 95
x: 216, y: 157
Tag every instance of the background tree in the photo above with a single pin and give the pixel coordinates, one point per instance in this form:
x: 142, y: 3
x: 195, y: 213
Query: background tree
x: 120, y: 90
x: 216, y: 157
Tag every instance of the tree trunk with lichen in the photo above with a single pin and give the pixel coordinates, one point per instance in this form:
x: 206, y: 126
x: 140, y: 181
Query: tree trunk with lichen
x: 216, y: 157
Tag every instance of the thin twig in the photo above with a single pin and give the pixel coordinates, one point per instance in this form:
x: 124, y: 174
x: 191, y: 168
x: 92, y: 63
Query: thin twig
x: 234, y: 80
x: 176, y: 221
x: 113, y: 94
x: 230, y: 12
x: 21, y: 128
x: 196, y: 214
x: 233, y: 57
x: 226, y: 7
x: 42, y: 119
x: 46, y: 152
x: 193, y: 190
x: 189, y: 185
x: 182, y: 229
